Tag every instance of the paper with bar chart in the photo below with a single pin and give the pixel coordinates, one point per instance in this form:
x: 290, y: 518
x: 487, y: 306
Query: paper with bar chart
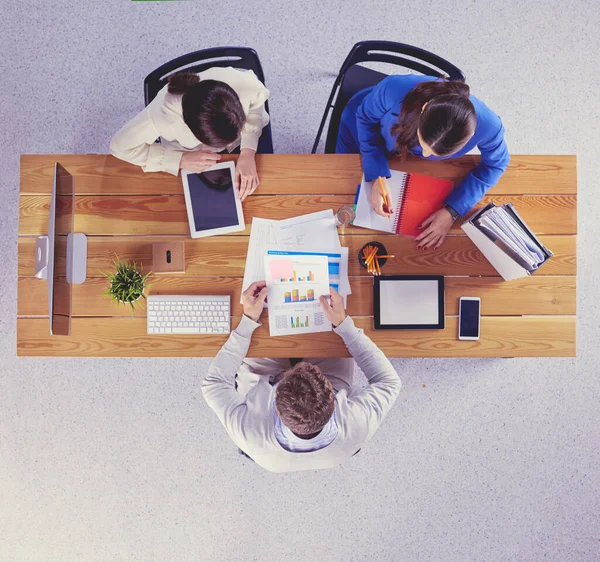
x: 294, y: 285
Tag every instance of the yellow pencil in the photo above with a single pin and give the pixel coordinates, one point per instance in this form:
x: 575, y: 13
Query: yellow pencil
x: 385, y: 199
x: 371, y: 256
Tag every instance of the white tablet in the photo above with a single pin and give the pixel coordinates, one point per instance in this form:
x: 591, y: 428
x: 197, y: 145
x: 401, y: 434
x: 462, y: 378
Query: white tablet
x: 211, y: 198
x: 408, y: 302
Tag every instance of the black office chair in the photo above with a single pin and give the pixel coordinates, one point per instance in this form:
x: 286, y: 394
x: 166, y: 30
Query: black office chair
x: 353, y: 78
x: 199, y: 61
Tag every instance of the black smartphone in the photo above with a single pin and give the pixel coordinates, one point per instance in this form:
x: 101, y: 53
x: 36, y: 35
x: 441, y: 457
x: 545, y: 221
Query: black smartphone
x: 469, y: 314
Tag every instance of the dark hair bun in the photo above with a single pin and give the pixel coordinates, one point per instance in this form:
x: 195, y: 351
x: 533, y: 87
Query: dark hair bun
x: 181, y: 82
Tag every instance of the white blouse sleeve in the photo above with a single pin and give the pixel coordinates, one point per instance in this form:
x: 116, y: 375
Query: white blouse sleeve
x: 257, y: 117
x: 135, y: 143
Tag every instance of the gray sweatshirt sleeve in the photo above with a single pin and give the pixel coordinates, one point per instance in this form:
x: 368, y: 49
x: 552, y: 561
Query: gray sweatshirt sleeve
x: 371, y: 404
x: 218, y: 386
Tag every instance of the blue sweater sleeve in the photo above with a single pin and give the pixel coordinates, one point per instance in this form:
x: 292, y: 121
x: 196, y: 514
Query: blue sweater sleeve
x: 371, y: 143
x: 494, y: 161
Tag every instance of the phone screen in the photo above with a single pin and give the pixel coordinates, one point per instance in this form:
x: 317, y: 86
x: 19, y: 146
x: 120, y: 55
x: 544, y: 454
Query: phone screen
x: 469, y: 318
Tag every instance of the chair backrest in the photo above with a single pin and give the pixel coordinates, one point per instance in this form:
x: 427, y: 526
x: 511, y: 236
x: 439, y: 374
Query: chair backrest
x: 199, y: 61
x: 353, y: 78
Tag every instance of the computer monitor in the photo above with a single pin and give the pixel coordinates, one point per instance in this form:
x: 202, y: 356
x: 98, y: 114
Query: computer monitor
x: 61, y: 256
x: 60, y: 225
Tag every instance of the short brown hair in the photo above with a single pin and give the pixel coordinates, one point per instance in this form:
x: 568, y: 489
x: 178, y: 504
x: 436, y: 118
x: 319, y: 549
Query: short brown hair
x: 305, y: 399
x: 211, y: 109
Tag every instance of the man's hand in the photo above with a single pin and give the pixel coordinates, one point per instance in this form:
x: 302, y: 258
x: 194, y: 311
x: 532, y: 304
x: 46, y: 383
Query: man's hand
x: 334, y: 308
x: 377, y: 198
x: 246, y: 178
x: 436, y: 227
x: 253, y: 299
x: 198, y: 160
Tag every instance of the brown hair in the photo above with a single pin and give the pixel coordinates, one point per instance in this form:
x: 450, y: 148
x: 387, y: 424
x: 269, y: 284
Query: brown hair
x: 305, y: 399
x: 445, y: 124
x: 211, y: 109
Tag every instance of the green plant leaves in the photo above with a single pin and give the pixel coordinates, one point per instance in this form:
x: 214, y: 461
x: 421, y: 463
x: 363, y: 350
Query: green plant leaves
x: 126, y: 284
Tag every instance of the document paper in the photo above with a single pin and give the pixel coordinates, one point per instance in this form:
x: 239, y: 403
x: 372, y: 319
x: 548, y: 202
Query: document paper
x: 294, y: 306
x: 314, y: 229
x: 337, y: 262
x: 262, y: 237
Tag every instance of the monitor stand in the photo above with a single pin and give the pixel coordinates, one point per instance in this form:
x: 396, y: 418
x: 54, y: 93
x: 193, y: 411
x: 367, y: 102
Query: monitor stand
x: 76, y: 258
x: 41, y: 257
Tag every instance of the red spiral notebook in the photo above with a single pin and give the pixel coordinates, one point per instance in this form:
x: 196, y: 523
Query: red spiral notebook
x: 414, y: 198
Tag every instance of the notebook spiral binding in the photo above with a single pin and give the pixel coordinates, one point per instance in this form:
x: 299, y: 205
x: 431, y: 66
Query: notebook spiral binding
x: 404, y: 187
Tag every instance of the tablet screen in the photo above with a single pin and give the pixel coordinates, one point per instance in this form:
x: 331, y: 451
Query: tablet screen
x: 410, y: 303
x: 213, y: 199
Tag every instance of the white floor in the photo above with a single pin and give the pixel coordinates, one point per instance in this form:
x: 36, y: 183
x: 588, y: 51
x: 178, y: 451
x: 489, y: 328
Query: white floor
x: 121, y: 459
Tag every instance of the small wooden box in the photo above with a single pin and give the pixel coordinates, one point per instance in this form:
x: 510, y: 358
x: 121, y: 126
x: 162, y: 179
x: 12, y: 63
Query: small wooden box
x: 168, y: 257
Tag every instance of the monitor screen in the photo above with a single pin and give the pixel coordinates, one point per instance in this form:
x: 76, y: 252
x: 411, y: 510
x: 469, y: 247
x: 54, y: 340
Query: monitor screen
x: 213, y: 199
x: 60, y: 226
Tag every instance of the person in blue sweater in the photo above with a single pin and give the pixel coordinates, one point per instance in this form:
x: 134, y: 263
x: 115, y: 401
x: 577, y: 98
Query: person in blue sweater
x: 431, y: 118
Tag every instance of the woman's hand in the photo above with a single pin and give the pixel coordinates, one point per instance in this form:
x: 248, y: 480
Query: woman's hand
x: 377, y: 201
x: 246, y: 178
x: 436, y: 227
x: 198, y: 160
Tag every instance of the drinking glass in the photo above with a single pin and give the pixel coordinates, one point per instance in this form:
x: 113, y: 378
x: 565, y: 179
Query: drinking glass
x: 344, y: 216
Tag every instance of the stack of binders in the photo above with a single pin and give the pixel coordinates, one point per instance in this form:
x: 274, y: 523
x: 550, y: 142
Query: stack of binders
x: 506, y: 241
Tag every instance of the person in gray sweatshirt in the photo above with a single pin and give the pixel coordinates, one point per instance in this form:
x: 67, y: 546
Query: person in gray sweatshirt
x: 308, y: 416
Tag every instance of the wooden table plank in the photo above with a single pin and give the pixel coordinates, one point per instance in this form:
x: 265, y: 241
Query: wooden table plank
x: 166, y: 214
x: 535, y: 295
x: 551, y: 336
x: 295, y: 174
x: 540, y: 295
x: 227, y: 255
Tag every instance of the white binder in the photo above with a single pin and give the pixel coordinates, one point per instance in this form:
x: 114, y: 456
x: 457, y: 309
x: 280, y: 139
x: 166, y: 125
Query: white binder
x: 504, y: 264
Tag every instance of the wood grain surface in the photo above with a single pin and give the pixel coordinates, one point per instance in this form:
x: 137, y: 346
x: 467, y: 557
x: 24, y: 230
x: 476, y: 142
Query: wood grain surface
x: 123, y: 210
x: 166, y: 214
x: 550, y: 336
x: 294, y: 174
x: 542, y: 295
x: 227, y: 255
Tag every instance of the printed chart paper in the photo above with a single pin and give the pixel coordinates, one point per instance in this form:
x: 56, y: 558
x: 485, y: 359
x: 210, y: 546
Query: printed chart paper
x: 294, y: 306
x: 337, y: 266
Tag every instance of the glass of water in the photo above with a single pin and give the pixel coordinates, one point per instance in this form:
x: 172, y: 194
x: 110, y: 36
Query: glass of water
x: 344, y: 216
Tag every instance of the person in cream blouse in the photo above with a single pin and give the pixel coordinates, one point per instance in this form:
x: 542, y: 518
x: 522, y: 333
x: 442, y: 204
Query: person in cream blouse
x: 237, y: 92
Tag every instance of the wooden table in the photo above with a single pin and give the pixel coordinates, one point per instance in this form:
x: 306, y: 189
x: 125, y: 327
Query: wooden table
x: 124, y: 210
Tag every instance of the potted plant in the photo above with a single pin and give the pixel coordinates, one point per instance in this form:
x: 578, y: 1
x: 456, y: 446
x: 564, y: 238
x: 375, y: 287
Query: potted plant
x: 126, y: 285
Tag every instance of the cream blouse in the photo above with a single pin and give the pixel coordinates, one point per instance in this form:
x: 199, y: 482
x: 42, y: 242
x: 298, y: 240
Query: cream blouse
x: 163, y: 117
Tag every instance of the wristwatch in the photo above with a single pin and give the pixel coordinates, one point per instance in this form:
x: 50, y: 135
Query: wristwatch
x: 454, y: 214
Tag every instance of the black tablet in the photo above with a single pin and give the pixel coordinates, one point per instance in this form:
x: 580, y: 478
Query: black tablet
x: 408, y: 302
x: 212, y: 201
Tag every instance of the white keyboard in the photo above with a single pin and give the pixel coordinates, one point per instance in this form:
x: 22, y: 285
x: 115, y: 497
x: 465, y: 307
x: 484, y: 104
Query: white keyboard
x: 194, y: 314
